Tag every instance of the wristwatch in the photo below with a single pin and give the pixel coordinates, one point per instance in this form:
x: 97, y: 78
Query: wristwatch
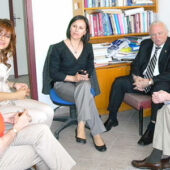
x: 14, y: 130
x: 150, y: 82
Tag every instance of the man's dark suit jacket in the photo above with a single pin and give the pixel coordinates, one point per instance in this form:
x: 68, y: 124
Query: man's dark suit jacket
x: 141, y: 61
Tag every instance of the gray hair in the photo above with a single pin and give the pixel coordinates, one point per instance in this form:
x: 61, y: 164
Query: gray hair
x: 157, y: 22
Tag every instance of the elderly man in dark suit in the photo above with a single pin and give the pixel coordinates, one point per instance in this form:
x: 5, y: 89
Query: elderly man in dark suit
x: 150, y: 73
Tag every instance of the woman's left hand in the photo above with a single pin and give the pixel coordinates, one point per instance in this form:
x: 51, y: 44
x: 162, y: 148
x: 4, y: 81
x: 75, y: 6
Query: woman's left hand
x: 80, y: 77
x: 9, y: 117
x: 19, y: 86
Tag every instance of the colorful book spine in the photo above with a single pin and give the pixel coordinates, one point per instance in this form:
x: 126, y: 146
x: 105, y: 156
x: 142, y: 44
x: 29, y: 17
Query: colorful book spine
x: 107, y: 25
x: 90, y: 4
x: 125, y: 24
x: 86, y: 3
x: 91, y: 25
x: 141, y: 22
x: 101, y: 29
x: 120, y: 18
x: 117, y: 23
x: 137, y: 30
x: 95, y: 25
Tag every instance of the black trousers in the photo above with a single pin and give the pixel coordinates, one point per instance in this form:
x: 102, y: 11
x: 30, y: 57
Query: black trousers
x: 125, y: 84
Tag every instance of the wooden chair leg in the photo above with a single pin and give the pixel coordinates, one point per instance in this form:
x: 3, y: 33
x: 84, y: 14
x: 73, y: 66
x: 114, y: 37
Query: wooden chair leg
x: 141, y: 121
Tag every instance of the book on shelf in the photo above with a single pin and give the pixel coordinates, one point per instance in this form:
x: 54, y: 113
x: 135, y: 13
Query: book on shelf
x: 137, y: 23
x: 90, y: 3
x: 142, y: 2
x: 120, y: 3
x: 133, y: 11
x: 117, y: 23
x: 91, y: 25
x: 112, y: 3
x: 100, y: 49
x: 99, y: 52
x: 121, y: 23
x: 137, y: 39
x: 95, y: 25
x: 132, y: 23
x: 101, y: 28
x: 113, y: 24
x: 111, y: 11
x: 105, y: 24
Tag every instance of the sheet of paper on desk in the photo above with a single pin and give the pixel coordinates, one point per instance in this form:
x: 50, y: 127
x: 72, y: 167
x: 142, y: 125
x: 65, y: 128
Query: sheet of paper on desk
x: 102, y: 59
x: 124, y: 56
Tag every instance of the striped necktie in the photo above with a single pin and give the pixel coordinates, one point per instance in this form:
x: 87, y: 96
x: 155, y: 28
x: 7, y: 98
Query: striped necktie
x: 150, y: 68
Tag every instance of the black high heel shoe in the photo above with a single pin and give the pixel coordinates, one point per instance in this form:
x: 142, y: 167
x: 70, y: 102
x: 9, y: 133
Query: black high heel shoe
x: 101, y: 148
x: 79, y: 140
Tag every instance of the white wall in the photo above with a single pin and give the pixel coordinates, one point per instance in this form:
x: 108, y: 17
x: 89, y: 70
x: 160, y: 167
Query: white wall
x: 164, y: 12
x: 4, y: 9
x: 50, y: 23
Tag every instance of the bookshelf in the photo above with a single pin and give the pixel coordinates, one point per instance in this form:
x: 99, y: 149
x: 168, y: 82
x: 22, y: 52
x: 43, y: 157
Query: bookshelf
x: 79, y: 9
x: 107, y: 74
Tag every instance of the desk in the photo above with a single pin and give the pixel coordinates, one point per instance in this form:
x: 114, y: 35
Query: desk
x: 106, y: 76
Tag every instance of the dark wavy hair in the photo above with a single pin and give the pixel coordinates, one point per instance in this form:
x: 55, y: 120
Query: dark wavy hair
x: 86, y: 37
x: 8, y: 26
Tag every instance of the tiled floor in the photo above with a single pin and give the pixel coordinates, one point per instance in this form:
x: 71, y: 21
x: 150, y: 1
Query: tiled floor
x: 121, y: 143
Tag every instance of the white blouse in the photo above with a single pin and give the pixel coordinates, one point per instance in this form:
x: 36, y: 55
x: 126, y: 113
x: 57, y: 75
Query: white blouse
x: 4, y: 74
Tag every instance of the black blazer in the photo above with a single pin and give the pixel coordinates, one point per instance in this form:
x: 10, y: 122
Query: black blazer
x: 48, y: 81
x: 141, y: 61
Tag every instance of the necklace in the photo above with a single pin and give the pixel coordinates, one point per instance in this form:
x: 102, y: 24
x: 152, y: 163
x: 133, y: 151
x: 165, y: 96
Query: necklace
x: 75, y: 50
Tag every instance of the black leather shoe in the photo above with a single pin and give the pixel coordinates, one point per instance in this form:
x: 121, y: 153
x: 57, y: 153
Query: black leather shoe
x: 79, y: 140
x: 110, y: 123
x: 147, y: 138
x: 141, y: 164
x: 99, y: 148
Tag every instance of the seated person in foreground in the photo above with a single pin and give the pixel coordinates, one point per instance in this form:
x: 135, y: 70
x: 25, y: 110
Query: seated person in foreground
x: 71, y: 65
x: 160, y: 155
x: 150, y: 73
x: 13, y: 96
x: 27, y: 145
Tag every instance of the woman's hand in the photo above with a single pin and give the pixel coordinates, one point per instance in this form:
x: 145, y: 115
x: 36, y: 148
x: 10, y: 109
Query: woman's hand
x: 22, y: 121
x: 18, y: 86
x: 9, y: 117
x: 80, y: 77
x: 22, y: 93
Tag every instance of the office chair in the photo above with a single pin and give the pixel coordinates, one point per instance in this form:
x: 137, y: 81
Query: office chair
x: 68, y: 120
x: 139, y: 102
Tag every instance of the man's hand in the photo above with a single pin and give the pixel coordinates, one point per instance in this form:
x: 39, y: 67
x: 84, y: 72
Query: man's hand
x: 140, y: 83
x: 160, y: 96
